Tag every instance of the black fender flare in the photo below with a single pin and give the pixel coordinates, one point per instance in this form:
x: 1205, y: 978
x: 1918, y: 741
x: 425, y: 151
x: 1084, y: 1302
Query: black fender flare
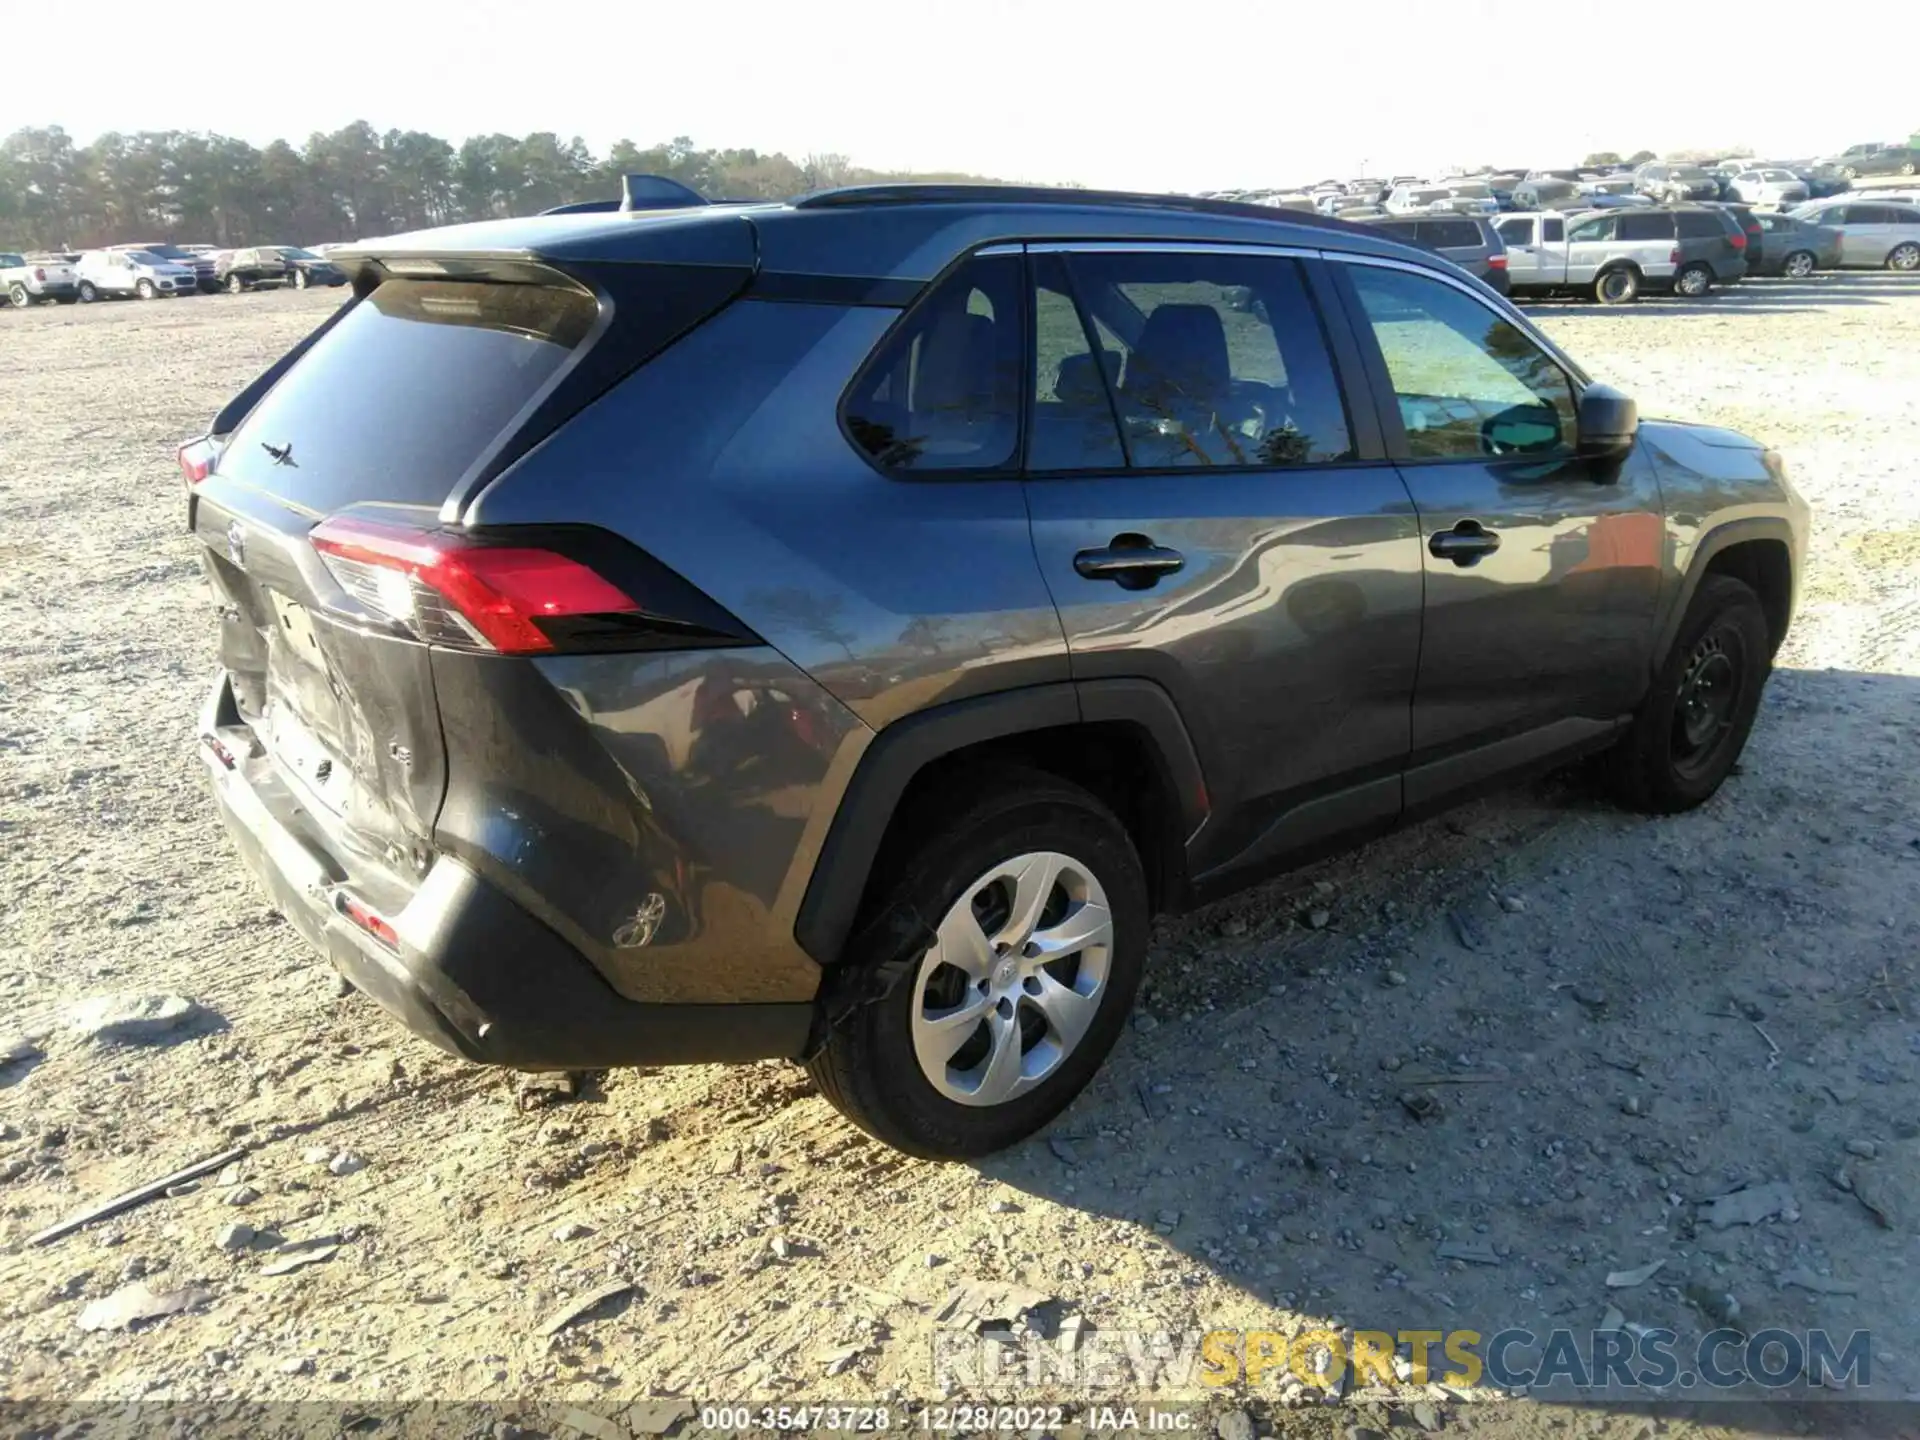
x: 1720, y: 538
x: 831, y: 904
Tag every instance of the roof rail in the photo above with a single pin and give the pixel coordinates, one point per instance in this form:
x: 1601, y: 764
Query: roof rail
x: 857, y: 195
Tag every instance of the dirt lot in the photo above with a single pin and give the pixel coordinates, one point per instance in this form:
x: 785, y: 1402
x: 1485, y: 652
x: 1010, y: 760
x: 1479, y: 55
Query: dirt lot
x: 1648, y: 1013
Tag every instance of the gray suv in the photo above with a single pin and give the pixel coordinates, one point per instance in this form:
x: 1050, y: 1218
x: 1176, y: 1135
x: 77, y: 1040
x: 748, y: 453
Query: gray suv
x: 1469, y: 241
x: 833, y: 630
x: 1618, y: 255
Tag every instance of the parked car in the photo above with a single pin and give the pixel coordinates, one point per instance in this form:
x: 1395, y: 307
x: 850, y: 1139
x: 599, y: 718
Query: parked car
x: 1873, y: 234
x: 195, y: 260
x: 1469, y: 241
x: 1470, y: 197
x: 1854, y: 154
x: 1823, y: 179
x: 1796, y: 248
x: 1748, y: 220
x: 29, y: 279
x: 1888, y: 160
x: 1416, y: 199
x: 1548, y: 194
x: 1618, y: 255
x: 1572, y: 177
x: 1772, y: 187
x: 109, y: 274
x: 1673, y: 184
x: 1610, y: 187
x: 496, y: 727
x: 305, y: 268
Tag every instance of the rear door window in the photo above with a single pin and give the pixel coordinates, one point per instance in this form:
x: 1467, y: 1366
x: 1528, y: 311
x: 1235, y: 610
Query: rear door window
x: 1652, y: 225
x: 943, y: 390
x: 1222, y: 360
x: 409, y: 390
x: 1073, y: 420
x: 1699, y: 225
x: 1601, y: 227
x: 1449, y: 234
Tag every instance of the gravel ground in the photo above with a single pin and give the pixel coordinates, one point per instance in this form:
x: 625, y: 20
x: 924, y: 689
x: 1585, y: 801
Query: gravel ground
x: 1631, y: 1016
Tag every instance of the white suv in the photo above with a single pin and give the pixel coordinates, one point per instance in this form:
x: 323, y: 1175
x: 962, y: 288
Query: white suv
x: 106, y: 273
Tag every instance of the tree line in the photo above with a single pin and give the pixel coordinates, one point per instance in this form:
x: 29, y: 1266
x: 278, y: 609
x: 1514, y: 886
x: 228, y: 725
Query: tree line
x: 176, y: 185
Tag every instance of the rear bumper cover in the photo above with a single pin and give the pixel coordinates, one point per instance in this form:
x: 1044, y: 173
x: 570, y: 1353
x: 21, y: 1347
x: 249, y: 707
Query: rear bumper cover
x: 472, y: 972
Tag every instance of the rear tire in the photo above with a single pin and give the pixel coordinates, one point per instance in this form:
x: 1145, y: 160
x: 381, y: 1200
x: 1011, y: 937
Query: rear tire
x: 88, y: 294
x: 1694, y: 723
x: 1904, y: 257
x: 1693, y: 281
x: 18, y: 297
x: 998, y: 859
x: 1799, y: 265
x: 1617, y: 287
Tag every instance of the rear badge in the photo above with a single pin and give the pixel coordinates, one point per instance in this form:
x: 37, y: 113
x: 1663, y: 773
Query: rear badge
x: 237, y: 544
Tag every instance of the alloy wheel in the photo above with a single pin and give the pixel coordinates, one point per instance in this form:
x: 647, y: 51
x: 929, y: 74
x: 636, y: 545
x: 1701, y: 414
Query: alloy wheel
x: 1015, y: 976
x: 1799, y: 265
x: 1905, y: 257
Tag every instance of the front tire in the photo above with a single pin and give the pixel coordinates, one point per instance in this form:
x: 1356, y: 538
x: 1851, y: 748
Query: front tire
x: 146, y: 291
x: 1693, y: 281
x: 235, y: 285
x: 1694, y: 723
x: 1039, y: 907
x: 1904, y: 258
x: 298, y: 280
x: 1799, y: 265
x: 1617, y: 287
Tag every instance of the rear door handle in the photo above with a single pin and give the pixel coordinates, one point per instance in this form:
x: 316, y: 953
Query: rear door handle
x: 1132, y: 561
x: 1464, y: 544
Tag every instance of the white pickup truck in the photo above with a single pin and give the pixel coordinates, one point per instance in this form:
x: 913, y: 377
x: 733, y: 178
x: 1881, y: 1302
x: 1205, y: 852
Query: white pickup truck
x: 28, y: 279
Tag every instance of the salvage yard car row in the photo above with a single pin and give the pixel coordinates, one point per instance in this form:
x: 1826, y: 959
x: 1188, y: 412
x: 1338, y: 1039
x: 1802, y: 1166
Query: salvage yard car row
x: 155, y: 271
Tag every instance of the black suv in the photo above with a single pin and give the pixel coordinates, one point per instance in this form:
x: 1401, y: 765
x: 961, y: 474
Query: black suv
x: 832, y: 630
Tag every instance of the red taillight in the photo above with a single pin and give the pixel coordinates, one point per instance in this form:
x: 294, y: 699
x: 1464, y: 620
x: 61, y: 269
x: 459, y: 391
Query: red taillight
x: 448, y: 590
x: 1674, y: 258
x: 1496, y: 262
x: 1739, y: 240
x: 197, y: 457
x: 370, y: 921
x: 40, y: 276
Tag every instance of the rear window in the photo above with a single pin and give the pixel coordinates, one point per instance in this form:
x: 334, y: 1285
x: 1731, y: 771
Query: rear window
x: 1696, y: 225
x: 1449, y: 234
x: 408, y: 391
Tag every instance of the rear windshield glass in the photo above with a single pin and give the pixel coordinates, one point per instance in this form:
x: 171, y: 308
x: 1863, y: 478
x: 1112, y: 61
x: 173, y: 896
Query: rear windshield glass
x: 412, y: 387
x: 1450, y: 234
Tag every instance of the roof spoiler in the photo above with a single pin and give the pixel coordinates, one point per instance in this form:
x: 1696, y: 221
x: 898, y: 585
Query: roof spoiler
x: 638, y: 192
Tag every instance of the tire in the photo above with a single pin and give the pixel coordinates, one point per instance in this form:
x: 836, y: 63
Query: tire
x: 298, y: 280
x: 146, y: 291
x: 88, y: 294
x: 235, y: 285
x: 1905, y: 258
x: 1799, y: 265
x: 1617, y: 287
x: 1693, y: 724
x: 1850, y: 172
x: 18, y: 297
x: 1907, y: 168
x: 961, y: 867
x: 1693, y: 281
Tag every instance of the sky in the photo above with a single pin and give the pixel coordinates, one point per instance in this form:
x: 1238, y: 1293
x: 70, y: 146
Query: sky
x: 1198, y: 94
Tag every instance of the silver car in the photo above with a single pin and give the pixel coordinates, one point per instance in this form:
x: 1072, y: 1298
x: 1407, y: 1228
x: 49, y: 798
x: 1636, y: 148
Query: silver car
x: 1773, y: 188
x: 1873, y: 234
x: 1416, y: 199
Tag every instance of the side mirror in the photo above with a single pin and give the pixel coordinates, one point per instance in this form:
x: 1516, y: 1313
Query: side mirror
x: 1608, y: 421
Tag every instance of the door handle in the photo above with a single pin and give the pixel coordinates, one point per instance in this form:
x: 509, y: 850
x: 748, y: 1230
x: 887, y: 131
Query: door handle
x: 1464, y: 544
x: 1131, y: 561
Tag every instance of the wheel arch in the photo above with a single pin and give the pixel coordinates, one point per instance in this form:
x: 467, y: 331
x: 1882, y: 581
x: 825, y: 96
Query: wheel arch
x: 1122, y: 739
x: 1756, y: 551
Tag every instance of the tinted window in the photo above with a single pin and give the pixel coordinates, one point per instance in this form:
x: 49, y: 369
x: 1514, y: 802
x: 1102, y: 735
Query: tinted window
x: 1554, y: 229
x: 1872, y: 215
x: 1073, y: 420
x: 1469, y: 382
x: 943, y: 390
x: 1449, y: 234
x: 1653, y: 225
x: 1405, y: 230
x: 1222, y: 359
x: 1601, y: 227
x: 409, y: 389
x: 1697, y: 225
